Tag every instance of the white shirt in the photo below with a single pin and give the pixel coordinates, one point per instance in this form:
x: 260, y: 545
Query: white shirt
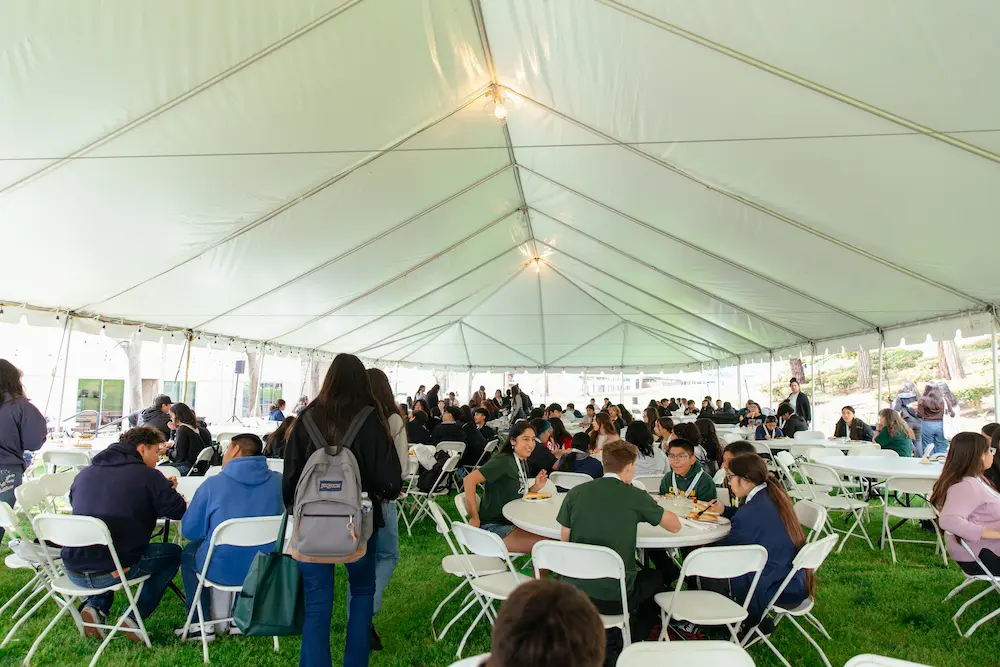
x: 613, y: 474
x: 793, y: 400
x: 754, y: 491
x: 651, y: 465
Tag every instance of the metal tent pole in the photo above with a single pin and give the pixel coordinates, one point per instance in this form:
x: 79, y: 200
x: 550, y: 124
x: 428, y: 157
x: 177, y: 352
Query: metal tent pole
x: 255, y: 409
x: 187, y: 368
x: 770, y: 380
x: 881, y: 370
x: 718, y: 379
x: 52, y: 382
x: 812, y: 385
x: 62, y: 393
x: 621, y: 385
x: 993, y: 351
x: 395, y: 381
x: 739, y: 381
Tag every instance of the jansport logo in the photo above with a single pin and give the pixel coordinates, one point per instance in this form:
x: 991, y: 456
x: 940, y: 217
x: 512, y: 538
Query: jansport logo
x: 330, y: 485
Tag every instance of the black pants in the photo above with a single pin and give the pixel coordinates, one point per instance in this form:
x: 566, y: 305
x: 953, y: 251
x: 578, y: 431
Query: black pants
x: 989, y: 559
x: 643, y: 611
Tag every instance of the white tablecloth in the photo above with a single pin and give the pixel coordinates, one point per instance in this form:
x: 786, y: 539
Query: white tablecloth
x: 786, y: 443
x: 882, y: 467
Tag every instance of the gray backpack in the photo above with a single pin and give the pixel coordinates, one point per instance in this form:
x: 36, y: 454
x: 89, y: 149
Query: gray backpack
x: 333, y: 522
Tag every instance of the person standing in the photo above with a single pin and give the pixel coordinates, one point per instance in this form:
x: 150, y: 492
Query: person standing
x: 22, y: 429
x: 906, y: 405
x: 157, y: 415
x: 930, y: 409
x: 516, y: 404
x: 346, y: 391
x: 799, y: 401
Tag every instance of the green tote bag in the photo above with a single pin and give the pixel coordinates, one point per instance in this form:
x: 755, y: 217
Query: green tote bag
x: 272, y: 602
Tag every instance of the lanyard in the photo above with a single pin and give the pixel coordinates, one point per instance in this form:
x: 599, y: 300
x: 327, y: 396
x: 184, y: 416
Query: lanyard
x: 676, y: 489
x: 522, y: 475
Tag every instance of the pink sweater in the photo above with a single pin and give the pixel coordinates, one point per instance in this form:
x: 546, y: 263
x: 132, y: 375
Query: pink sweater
x: 970, y: 507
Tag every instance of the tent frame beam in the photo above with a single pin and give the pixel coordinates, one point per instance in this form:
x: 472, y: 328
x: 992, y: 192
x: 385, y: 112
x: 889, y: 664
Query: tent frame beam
x: 393, y: 340
x: 582, y: 345
x: 468, y: 358
x: 662, y: 337
x: 518, y: 352
x: 428, y: 341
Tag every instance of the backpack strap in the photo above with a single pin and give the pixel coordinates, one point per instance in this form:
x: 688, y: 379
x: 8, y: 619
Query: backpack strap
x: 352, y: 431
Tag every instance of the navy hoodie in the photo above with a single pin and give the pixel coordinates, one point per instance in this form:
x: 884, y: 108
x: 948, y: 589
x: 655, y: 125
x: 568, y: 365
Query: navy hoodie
x: 129, y: 497
x: 22, y: 428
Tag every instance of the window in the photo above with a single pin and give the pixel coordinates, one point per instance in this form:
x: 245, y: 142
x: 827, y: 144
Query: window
x: 175, y: 390
x: 268, y: 394
x: 104, y: 396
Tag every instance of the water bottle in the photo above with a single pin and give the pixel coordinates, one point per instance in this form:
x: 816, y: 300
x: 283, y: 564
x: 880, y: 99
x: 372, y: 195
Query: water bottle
x: 366, y: 504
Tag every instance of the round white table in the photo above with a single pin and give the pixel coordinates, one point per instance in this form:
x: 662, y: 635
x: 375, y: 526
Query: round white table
x: 540, y: 519
x: 882, y: 467
x: 787, y: 443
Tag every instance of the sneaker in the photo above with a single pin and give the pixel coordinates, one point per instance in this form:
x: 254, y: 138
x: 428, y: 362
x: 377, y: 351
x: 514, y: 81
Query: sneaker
x: 93, y: 615
x: 376, y: 641
x: 131, y: 630
x: 194, y: 633
x: 684, y: 630
x: 233, y: 630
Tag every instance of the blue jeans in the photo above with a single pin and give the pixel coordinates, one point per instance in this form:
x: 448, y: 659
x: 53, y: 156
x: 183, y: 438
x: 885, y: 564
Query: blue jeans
x: 189, y: 576
x: 160, y: 561
x: 932, y: 434
x: 10, y: 479
x: 317, y: 581
x: 386, y: 555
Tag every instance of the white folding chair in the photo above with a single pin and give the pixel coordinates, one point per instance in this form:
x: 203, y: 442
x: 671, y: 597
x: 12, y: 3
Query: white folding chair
x: 586, y: 561
x: 869, y: 660
x: 169, y: 471
x: 689, y: 654
x: 204, y: 456
x: 418, y: 506
x: 864, y: 450
x: 225, y: 438
x: 886, y: 453
x: 800, y: 451
x: 277, y: 465
x: 462, y: 508
x: 813, y: 518
x: 212, y: 471
x: 809, y: 435
x: 491, y: 587
x: 57, y: 485
x: 491, y: 447
x: 810, y: 557
x: 841, y: 503
x: 569, y: 480
x: 81, y: 531
x: 188, y: 486
x: 75, y: 460
x: 651, y: 482
x: 797, y: 489
x: 31, y: 498
x: 920, y: 488
x: 730, y: 438
x: 248, y: 532
x: 707, y: 607
x: 451, y: 446
x: 456, y: 565
x: 994, y: 586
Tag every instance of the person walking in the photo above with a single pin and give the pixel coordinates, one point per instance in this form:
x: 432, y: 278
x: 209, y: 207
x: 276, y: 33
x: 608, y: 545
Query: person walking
x: 22, y: 429
x: 345, y: 392
x: 930, y: 409
x: 906, y: 405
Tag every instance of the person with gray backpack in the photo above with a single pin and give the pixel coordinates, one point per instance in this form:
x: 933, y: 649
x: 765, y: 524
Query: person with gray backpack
x: 340, y: 466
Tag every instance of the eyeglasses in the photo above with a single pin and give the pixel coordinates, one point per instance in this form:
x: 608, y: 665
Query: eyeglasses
x: 679, y: 457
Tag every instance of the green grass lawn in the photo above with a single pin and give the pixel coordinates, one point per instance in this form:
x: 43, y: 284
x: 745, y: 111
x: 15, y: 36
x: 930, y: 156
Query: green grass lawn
x: 867, y: 604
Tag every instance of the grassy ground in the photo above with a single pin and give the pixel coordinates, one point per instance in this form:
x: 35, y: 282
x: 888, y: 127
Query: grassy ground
x: 867, y: 604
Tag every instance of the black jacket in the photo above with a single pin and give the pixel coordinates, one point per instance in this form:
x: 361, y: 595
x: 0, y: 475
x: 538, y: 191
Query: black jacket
x: 127, y: 495
x: 540, y: 459
x: 859, y: 430
x: 475, y: 445
x: 151, y: 416
x: 417, y: 433
x: 802, y: 407
x: 188, y: 445
x: 378, y: 463
x: 793, y: 425
x: 447, y: 432
x: 487, y: 433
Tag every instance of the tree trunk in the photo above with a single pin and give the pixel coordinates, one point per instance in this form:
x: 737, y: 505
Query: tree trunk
x: 953, y: 362
x: 133, y: 383
x: 253, y: 380
x: 864, y: 370
x: 798, y: 372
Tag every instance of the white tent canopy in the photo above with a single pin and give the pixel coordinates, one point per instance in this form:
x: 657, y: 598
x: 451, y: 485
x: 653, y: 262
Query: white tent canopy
x: 677, y: 183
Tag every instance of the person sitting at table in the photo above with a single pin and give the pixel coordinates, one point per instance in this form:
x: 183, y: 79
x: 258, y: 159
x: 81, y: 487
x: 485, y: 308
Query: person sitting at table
x: 650, y: 460
x: 709, y: 444
x: 851, y: 427
x: 649, y: 417
x: 157, y: 416
x: 480, y: 417
x: 553, y: 411
x: 616, y: 418
x: 277, y: 411
x: 607, y: 512
x: 450, y: 428
x: 189, y: 440
x: 275, y: 447
x: 123, y: 489
x: 245, y: 488
x: 689, y: 431
x: 769, y: 429
x: 765, y: 517
x: 580, y: 458
x: 718, y: 405
x: 416, y: 428
x: 992, y: 474
x: 706, y: 408
x: 560, y: 437
x: 789, y: 422
x: 893, y: 433
x: 536, y: 413
x: 603, y: 431
x: 753, y: 417
x: 664, y: 432
x: 686, y: 476
x: 588, y: 417
x: 475, y: 443
x: 504, y: 478
x: 969, y: 507
x: 572, y: 412
x: 690, y: 409
x: 728, y: 409
x: 625, y: 414
x: 672, y: 406
x: 542, y: 456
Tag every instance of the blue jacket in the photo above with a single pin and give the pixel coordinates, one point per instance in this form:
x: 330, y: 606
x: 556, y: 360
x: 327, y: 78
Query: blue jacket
x: 758, y: 522
x: 275, y: 416
x: 244, y: 488
x: 759, y: 435
x: 129, y: 496
x: 22, y: 428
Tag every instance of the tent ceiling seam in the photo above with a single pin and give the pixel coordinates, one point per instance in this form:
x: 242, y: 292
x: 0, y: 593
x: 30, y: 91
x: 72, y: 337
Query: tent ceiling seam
x: 624, y: 342
x: 465, y: 345
x: 581, y: 345
x: 498, y: 342
x: 393, y: 339
x: 802, y: 81
x: 203, y: 86
x: 424, y: 343
x: 661, y: 300
x: 426, y: 294
x: 541, y: 310
x: 752, y: 204
x: 679, y: 280
x: 699, y: 249
x: 369, y: 241
x: 403, y: 273
x: 294, y: 201
x: 662, y: 337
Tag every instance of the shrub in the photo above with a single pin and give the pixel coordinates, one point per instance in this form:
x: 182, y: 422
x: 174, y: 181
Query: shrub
x: 898, y: 360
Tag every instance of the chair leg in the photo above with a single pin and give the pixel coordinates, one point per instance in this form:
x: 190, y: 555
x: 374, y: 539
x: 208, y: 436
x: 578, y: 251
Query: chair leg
x: 52, y: 623
x: 822, y: 655
x: 955, y: 591
x: 275, y: 644
x: 437, y: 611
x: 201, y: 624
x: 819, y: 626
x: 975, y: 626
x: 976, y: 598
x: 461, y: 646
x: 23, y: 591
x: 774, y: 650
x: 468, y: 605
x: 40, y: 588
x: 21, y: 621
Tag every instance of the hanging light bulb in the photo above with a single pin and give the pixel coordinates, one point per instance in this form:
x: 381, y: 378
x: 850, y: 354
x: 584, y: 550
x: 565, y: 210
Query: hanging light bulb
x: 499, y: 103
x: 500, y: 111
x: 538, y: 266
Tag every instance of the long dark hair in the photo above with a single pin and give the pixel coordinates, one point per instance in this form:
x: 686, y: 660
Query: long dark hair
x: 558, y: 429
x: 651, y: 414
x: 710, y: 439
x: 638, y: 434
x: 581, y: 443
x: 276, y: 441
x: 519, y: 427
x: 346, y: 389
x: 10, y: 381
x: 602, y: 421
x: 752, y: 468
x: 382, y: 392
x: 688, y: 431
x: 965, y: 459
x: 184, y: 415
x: 625, y: 414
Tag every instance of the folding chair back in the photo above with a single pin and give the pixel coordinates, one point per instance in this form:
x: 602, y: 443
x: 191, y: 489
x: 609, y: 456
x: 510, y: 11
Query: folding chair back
x: 276, y: 465
x: 800, y: 451
x: 30, y: 496
x: 811, y: 516
x: 809, y: 435
x: 478, y: 541
x: 8, y: 520
x: 651, y: 482
x: 639, y: 485
x: 187, y: 486
x: 725, y: 562
x: 440, y: 521
x: 58, y: 484
x: 762, y: 448
x: 252, y: 531
x: 570, y: 480
x: 225, y: 438
x: 864, y: 450
x: 66, y: 459
x: 689, y: 654
x: 886, y: 453
x: 812, y: 554
x: 451, y: 447
x: 213, y: 471
x: 169, y: 471
x: 73, y: 531
x: 869, y: 660
x: 828, y: 452
x: 205, y: 455
x: 463, y: 510
x: 821, y: 474
x: 911, y: 485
